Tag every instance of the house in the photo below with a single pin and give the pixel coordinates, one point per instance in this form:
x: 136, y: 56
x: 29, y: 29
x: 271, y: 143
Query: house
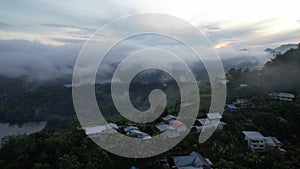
x: 133, y: 131
x: 168, y: 118
x: 231, y: 108
x: 97, y: 131
x: 129, y: 128
x: 273, y: 142
x: 192, y: 161
x: 171, y: 126
x: 213, y: 119
x: 178, y: 125
x: 243, y: 85
x: 241, y: 103
x: 138, y: 134
x: 223, y: 81
x: 163, y: 126
x: 255, y: 140
x: 282, y: 96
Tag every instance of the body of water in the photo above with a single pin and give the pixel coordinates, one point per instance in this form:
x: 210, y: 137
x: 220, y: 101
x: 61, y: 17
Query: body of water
x: 27, y: 128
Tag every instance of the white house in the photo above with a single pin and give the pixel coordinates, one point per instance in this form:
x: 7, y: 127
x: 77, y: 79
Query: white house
x: 255, y: 140
x: 98, y: 131
x: 214, y: 118
x: 282, y: 96
x: 243, y: 85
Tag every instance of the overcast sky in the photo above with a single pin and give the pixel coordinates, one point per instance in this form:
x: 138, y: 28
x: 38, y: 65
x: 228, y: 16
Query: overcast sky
x: 29, y: 29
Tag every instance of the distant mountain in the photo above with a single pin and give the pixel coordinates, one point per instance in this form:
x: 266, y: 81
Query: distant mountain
x: 281, y: 49
x: 282, y: 72
x: 253, y: 61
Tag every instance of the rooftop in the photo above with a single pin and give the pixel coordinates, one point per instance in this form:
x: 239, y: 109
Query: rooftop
x: 283, y: 94
x: 231, y: 106
x: 201, y: 121
x: 193, y: 160
x: 168, y: 117
x: 289, y: 95
x: 176, y: 124
x: 253, y: 135
x: 214, y: 115
x: 127, y: 129
x: 273, y: 141
x: 99, y: 129
x: 163, y: 126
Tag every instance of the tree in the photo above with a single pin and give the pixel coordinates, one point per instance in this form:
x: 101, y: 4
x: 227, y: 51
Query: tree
x: 68, y: 162
x: 224, y: 164
x: 107, y: 163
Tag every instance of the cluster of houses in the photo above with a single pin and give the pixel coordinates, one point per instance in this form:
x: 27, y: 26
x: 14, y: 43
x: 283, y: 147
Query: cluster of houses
x: 245, y: 103
x: 100, y: 131
x: 173, y: 127
x: 169, y: 124
x: 257, y: 141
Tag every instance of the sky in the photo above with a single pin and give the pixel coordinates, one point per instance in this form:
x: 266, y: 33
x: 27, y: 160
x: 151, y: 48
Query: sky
x: 48, y: 35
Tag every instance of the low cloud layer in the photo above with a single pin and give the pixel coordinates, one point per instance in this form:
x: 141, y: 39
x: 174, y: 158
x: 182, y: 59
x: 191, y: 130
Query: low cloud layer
x: 36, y: 61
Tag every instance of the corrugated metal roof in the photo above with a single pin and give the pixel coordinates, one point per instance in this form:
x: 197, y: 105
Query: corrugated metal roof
x: 272, y: 141
x: 99, y: 129
x: 214, y: 116
x: 194, y: 160
x: 253, y: 135
x: 127, y: 129
x: 176, y: 124
x: 288, y: 95
x: 231, y: 106
x: 168, y: 117
x: 163, y: 126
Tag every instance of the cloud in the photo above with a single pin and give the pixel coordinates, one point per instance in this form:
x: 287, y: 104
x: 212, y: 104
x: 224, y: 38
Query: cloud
x: 68, y: 26
x: 36, y: 61
x: 4, y: 25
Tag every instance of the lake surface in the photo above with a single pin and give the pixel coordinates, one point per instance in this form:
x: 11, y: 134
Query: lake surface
x: 27, y: 128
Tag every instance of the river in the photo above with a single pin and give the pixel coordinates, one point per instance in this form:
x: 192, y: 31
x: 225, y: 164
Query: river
x: 27, y: 128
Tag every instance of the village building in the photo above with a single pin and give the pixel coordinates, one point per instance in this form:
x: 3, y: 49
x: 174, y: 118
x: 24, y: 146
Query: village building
x: 192, y: 161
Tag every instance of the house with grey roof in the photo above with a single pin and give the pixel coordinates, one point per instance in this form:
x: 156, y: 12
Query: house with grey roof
x: 273, y: 142
x: 241, y: 103
x: 129, y: 128
x: 231, y: 108
x: 134, y: 131
x: 282, y: 96
x: 168, y: 118
x: 212, y: 120
x: 192, y: 161
x: 255, y: 140
x: 171, y: 126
